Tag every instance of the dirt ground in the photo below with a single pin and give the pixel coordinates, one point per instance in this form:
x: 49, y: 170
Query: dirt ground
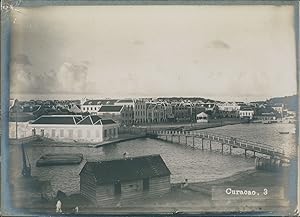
x: 194, y: 198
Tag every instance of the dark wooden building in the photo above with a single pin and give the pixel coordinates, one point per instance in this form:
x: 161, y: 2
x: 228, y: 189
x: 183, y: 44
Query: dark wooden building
x: 104, y: 182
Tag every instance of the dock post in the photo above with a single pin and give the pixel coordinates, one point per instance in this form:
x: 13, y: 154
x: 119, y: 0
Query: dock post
x: 222, y: 147
x: 179, y: 139
x: 210, y: 145
x: 193, y: 141
x: 202, y: 143
x: 230, y: 149
x: 186, y: 140
x: 245, y: 152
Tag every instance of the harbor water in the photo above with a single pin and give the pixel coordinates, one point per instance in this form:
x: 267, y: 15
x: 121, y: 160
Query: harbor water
x: 184, y: 162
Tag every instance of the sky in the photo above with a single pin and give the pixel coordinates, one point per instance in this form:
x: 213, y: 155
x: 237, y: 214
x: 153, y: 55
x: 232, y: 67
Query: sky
x: 140, y: 51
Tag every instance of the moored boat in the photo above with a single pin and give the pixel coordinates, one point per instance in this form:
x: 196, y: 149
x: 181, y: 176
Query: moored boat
x: 59, y: 159
x: 283, y: 132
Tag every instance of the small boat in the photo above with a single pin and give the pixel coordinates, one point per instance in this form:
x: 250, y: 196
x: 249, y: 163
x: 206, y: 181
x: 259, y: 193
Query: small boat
x: 284, y: 132
x: 59, y: 159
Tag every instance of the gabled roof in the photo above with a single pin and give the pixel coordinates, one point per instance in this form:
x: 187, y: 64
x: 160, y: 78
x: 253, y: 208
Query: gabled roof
x: 72, y: 120
x: 108, y: 121
x: 86, y: 121
x: 55, y: 119
x: 134, y: 168
x: 100, y: 102
x: 246, y: 109
x: 125, y: 101
x: 110, y: 108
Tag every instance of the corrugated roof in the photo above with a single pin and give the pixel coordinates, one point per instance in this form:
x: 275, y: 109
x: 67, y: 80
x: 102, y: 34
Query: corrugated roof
x: 110, y: 108
x: 55, y: 120
x: 125, y: 101
x: 108, y: 121
x: 86, y: 121
x: 127, y: 169
x: 73, y: 119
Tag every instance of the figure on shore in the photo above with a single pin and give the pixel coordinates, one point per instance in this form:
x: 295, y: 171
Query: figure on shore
x: 76, y: 209
x: 58, y: 206
x: 125, y: 154
x: 184, y: 184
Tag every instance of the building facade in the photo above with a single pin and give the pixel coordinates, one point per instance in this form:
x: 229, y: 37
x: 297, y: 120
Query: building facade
x: 246, y: 113
x: 76, y: 128
x: 119, y: 180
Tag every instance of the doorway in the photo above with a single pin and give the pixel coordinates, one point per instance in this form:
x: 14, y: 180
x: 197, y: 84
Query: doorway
x: 117, y: 188
x: 146, y: 184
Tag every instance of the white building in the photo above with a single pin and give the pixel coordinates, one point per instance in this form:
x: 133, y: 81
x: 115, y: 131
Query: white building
x: 279, y: 108
x: 202, y: 117
x: 246, y: 113
x: 75, y: 128
x: 229, y: 106
x: 93, y: 106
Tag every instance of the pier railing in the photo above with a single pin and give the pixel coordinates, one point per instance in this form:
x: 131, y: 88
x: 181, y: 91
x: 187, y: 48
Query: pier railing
x: 226, y: 140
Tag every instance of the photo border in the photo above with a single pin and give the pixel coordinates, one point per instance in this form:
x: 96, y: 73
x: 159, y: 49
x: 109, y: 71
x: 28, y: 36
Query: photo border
x: 8, y: 6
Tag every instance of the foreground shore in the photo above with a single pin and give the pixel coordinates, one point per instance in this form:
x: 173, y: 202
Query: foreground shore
x: 194, y: 198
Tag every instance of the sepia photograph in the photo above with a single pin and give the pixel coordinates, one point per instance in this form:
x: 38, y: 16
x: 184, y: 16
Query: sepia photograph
x: 169, y: 108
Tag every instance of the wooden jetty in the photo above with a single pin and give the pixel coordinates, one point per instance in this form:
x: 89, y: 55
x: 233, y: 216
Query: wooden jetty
x: 248, y: 146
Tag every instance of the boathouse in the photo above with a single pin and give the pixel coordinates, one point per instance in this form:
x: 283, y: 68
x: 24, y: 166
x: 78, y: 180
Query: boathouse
x: 114, y: 181
x: 77, y: 128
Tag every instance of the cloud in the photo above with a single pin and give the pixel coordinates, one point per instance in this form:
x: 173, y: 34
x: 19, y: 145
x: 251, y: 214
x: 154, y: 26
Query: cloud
x: 69, y: 78
x: 138, y: 42
x: 218, y: 44
x: 72, y: 77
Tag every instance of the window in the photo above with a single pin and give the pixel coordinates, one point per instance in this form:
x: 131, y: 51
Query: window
x: 105, y: 133
x: 53, y: 133
x: 146, y: 184
x: 61, y: 133
x: 97, y: 133
x: 79, y: 133
x: 70, y: 133
x: 117, y: 188
x: 109, y: 132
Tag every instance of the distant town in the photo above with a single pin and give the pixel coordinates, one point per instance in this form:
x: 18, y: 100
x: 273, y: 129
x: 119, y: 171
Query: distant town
x: 144, y: 112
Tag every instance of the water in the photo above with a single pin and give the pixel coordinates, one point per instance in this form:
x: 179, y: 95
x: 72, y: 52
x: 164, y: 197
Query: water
x: 183, y: 161
x: 263, y: 133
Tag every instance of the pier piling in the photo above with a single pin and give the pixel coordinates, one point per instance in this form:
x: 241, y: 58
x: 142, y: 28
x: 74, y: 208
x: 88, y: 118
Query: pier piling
x: 245, y: 152
x: 210, y: 145
x: 230, y: 148
x: 202, y: 143
x: 222, y: 147
x: 193, y: 141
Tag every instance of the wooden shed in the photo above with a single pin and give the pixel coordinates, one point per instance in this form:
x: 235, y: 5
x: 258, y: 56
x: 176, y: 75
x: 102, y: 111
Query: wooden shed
x: 104, y: 182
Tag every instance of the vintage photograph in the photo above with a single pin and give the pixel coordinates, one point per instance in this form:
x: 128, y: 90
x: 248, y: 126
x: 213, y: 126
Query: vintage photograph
x: 158, y: 109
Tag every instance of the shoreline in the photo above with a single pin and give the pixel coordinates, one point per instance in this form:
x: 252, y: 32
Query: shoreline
x: 196, y: 197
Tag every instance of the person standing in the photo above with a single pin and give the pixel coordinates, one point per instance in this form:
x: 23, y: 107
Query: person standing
x: 58, y: 206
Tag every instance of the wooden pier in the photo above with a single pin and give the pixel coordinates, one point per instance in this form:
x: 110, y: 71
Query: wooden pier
x: 231, y: 142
